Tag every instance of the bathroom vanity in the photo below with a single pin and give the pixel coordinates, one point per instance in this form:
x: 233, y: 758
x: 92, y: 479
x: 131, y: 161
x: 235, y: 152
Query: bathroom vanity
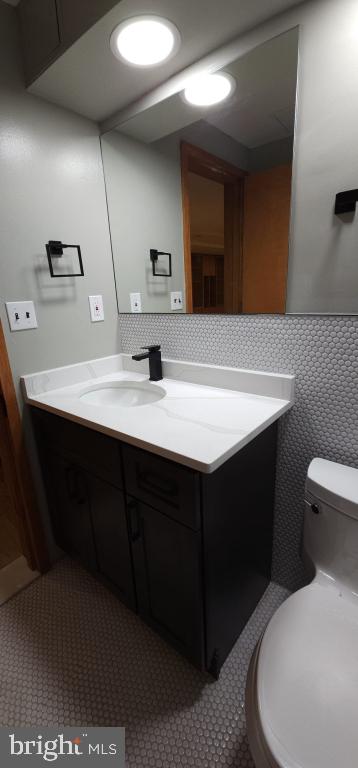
x: 169, y: 503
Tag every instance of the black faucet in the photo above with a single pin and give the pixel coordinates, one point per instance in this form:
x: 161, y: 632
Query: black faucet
x: 154, y: 356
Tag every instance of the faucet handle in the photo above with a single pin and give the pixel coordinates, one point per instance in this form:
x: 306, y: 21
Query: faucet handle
x: 152, y: 348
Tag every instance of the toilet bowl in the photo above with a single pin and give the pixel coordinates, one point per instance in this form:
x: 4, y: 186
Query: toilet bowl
x: 302, y: 685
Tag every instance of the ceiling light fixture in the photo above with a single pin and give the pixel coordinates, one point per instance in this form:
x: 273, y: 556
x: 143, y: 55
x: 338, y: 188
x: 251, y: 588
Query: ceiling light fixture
x: 209, y: 89
x: 145, y: 41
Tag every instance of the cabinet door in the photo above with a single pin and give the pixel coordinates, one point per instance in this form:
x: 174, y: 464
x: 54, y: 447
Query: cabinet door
x: 39, y: 34
x: 76, y: 16
x: 71, y: 511
x: 167, y: 566
x: 111, y: 538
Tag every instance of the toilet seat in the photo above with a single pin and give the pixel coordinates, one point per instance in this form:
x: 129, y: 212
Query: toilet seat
x: 306, y: 672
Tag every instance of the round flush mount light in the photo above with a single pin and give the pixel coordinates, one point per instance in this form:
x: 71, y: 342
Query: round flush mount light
x: 145, y: 41
x: 209, y: 89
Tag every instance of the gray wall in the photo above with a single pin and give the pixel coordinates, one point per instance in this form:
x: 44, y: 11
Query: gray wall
x: 324, y: 420
x: 144, y: 204
x: 268, y: 155
x: 323, y: 264
x: 210, y: 138
x: 52, y: 188
x: 213, y: 140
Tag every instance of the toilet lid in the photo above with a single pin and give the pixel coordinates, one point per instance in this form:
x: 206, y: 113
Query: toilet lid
x: 307, y: 680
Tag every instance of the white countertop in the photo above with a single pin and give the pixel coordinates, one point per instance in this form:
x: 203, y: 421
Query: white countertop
x: 208, y: 413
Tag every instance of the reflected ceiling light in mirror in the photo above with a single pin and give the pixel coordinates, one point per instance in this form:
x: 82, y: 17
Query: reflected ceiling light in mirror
x: 145, y: 41
x: 209, y: 89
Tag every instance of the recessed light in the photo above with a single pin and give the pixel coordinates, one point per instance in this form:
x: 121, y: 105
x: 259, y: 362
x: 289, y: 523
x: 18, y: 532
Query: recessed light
x: 145, y: 40
x: 206, y: 90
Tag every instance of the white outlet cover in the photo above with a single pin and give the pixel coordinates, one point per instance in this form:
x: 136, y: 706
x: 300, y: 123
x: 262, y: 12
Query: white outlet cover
x: 21, y: 315
x: 136, y: 302
x: 176, y: 300
x: 96, y: 308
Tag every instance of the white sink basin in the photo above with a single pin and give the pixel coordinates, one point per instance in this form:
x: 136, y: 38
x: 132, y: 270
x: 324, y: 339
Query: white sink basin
x: 199, y: 415
x: 124, y: 394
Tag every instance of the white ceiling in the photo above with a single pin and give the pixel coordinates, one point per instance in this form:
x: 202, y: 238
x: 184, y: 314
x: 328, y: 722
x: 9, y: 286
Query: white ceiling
x: 90, y: 80
x: 263, y: 107
x: 261, y: 110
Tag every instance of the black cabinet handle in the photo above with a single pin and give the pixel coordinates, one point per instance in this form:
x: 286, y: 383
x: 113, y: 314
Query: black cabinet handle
x: 81, y: 488
x: 71, y: 482
x: 76, y: 486
x: 133, y: 519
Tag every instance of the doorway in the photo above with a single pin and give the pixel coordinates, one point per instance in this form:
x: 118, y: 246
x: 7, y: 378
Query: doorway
x: 212, y: 195
x: 207, y: 243
x: 22, y: 546
x: 266, y: 239
x: 236, y: 235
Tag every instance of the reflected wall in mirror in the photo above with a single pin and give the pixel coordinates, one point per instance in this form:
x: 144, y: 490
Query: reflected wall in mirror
x: 212, y: 187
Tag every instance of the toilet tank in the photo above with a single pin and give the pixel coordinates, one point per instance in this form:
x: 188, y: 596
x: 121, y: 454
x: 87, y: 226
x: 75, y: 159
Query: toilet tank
x: 330, y: 533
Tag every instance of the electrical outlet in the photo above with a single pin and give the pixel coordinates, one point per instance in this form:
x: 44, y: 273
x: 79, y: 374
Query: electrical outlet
x: 96, y: 308
x: 21, y: 315
x: 176, y: 299
x: 136, y: 302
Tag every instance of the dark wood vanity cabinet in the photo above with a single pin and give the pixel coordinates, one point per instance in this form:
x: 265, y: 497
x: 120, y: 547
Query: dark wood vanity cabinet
x: 84, y: 484
x: 190, y: 552
x: 68, y: 491
x: 168, y: 575
x: 110, y: 534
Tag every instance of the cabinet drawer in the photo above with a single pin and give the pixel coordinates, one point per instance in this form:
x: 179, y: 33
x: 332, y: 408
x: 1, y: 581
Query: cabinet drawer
x: 98, y: 453
x: 169, y: 487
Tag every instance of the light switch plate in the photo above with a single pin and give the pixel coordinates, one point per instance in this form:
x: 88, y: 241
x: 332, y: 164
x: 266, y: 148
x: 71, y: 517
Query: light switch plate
x: 96, y: 308
x: 176, y: 300
x: 136, y: 302
x: 21, y: 315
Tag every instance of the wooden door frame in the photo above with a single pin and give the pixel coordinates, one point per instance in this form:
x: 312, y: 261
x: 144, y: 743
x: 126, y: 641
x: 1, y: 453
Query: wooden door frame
x: 16, y: 466
x: 196, y: 160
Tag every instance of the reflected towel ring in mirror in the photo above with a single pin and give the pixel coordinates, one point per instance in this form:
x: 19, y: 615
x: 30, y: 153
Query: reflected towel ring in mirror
x: 54, y: 249
x: 154, y: 259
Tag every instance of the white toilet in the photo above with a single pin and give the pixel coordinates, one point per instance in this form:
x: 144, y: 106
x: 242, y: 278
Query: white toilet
x: 302, y: 686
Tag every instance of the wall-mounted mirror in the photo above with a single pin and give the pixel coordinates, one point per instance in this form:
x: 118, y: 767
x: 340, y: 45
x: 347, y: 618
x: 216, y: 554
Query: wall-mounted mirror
x: 199, y: 197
